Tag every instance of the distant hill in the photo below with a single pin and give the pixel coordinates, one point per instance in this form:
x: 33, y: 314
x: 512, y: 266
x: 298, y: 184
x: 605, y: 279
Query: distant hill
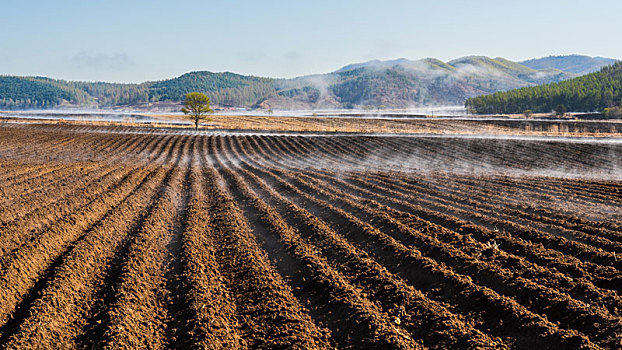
x: 378, y: 84
x: 576, y: 64
x: 407, y: 83
x: 38, y: 92
x: 223, y: 88
x: 588, y: 93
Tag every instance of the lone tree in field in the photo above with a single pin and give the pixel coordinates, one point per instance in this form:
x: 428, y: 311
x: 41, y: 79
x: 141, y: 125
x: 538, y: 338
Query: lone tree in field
x: 196, y: 107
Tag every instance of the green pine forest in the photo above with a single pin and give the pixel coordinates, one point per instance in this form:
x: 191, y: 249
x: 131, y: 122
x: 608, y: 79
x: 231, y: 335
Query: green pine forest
x: 593, y: 92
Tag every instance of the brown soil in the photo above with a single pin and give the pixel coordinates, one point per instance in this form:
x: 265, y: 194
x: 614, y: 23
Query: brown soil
x: 132, y: 237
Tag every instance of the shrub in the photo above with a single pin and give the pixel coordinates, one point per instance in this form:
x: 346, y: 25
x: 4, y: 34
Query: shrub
x: 613, y: 112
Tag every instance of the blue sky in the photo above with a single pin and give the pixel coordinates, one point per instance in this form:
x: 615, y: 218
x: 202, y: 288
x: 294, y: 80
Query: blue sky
x: 133, y: 41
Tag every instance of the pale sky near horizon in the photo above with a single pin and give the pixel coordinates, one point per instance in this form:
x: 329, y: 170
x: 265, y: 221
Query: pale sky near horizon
x: 135, y: 41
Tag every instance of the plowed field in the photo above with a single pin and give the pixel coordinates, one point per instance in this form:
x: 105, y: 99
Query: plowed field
x: 128, y: 237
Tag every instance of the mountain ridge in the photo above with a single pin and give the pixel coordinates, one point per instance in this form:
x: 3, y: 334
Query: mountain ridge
x: 394, y: 83
x: 577, y: 64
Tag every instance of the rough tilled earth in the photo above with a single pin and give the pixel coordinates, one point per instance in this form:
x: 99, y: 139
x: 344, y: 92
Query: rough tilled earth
x: 129, y: 237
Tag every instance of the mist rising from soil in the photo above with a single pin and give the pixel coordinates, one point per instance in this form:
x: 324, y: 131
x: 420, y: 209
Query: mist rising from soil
x: 506, y: 155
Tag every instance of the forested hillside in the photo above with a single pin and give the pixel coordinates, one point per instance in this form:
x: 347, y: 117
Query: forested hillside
x: 222, y: 88
x: 588, y: 93
x: 396, y: 83
x: 37, y: 92
x: 113, y: 94
x: 405, y: 83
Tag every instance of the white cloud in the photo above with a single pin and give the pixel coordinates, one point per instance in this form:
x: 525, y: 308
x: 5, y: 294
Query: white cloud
x: 99, y: 60
x: 292, y: 56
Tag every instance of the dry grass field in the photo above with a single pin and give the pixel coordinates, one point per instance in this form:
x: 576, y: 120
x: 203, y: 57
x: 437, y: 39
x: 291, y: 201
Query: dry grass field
x: 494, y: 125
x: 140, y: 237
